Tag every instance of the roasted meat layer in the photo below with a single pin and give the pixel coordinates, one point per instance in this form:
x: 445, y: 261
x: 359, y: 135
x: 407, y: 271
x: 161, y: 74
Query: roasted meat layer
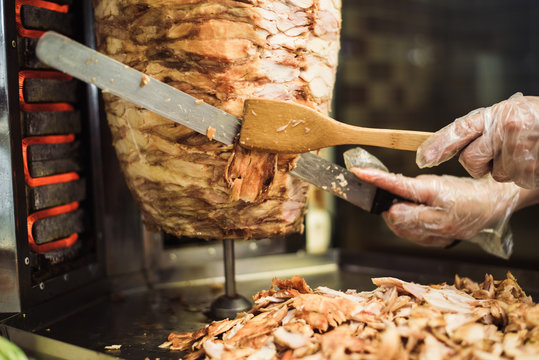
x: 397, y: 320
x: 222, y: 52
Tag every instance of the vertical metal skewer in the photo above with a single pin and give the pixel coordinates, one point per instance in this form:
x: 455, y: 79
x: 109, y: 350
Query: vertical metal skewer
x: 229, y: 304
x: 230, y: 268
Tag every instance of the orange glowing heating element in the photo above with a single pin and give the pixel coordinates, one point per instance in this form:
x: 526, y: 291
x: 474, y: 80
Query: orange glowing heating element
x: 30, y: 33
x: 46, y: 180
x: 38, y: 74
x: 54, y: 139
x: 56, y: 244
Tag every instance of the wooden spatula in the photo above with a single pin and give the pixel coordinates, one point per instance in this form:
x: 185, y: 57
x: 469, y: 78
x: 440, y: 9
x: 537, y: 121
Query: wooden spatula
x: 285, y: 127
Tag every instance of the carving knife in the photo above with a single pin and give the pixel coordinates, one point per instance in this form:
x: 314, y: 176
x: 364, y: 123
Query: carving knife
x: 92, y: 67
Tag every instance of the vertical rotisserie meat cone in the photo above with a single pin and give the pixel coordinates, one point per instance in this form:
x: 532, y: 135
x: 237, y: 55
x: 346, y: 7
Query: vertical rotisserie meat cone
x: 220, y: 51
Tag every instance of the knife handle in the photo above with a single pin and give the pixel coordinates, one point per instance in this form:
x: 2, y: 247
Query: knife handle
x: 383, y: 200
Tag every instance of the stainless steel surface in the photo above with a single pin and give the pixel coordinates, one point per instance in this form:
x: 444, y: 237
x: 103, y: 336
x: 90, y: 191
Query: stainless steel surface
x: 336, y: 179
x: 184, y: 262
x: 247, y: 269
x: 9, y: 277
x: 110, y: 75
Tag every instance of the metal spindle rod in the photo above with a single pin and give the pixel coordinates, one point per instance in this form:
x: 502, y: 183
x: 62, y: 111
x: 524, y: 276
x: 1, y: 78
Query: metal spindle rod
x: 230, y: 269
x: 231, y: 303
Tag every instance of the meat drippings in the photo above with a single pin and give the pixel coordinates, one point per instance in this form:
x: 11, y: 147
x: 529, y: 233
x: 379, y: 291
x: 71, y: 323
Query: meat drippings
x: 397, y: 320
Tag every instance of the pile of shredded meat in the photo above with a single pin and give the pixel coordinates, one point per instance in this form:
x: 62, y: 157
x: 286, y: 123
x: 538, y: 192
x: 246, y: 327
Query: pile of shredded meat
x: 397, y: 320
x: 221, y: 52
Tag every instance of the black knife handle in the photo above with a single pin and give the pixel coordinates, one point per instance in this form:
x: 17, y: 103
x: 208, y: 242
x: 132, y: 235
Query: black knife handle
x: 452, y: 244
x: 383, y: 200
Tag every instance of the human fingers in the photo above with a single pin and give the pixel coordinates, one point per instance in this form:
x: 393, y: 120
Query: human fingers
x: 487, y: 153
x: 447, y: 142
x: 413, y: 189
x: 477, y: 157
x: 502, y: 172
x: 518, y: 158
x: 418, y: 223
x: 524, y: 173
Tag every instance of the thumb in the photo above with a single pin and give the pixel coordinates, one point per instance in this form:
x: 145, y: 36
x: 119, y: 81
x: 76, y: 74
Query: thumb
x: 447, y: 142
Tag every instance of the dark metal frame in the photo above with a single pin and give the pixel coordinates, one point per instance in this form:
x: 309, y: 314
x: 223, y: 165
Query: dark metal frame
x: 30, y: 295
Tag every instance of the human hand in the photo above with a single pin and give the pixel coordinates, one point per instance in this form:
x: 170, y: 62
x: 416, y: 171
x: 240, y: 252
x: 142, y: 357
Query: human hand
x: 446, y: 207
x: 502, y: 139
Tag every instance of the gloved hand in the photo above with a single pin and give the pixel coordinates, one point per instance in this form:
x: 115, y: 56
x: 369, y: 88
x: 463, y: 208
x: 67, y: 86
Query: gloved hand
x: 447, y: 208
x: 502, y: 139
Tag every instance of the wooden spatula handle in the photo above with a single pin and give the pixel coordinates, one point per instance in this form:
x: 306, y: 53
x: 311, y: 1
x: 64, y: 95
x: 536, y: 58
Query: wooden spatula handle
x: 280, y: 126
x: 388, y: 138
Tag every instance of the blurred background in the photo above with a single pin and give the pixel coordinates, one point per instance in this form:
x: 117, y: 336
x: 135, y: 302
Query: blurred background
x: 418, y: 65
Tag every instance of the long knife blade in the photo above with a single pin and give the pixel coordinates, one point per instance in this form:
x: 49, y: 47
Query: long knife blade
x: 342, y: 183
x: 119, y: 79
x: 332, y: 177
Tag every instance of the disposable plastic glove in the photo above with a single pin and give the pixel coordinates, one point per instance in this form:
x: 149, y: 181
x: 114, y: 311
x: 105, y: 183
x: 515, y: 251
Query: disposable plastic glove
x: 502, y: 139
x: 447, y: 208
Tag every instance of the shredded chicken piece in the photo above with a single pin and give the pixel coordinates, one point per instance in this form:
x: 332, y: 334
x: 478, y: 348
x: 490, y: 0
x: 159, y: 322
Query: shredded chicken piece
x: 144, y: 81
x: 210, y: 132
x: 398, y: 320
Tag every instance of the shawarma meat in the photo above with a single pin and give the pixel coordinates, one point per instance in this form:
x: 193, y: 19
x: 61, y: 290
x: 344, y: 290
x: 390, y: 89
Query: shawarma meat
x: 221, y: 52
x: 397, y: 320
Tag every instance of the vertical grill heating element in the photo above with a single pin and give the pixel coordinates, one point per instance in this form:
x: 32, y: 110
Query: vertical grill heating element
x: 37, y: 5
x: 52, y: 242
x: 51, y: 145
